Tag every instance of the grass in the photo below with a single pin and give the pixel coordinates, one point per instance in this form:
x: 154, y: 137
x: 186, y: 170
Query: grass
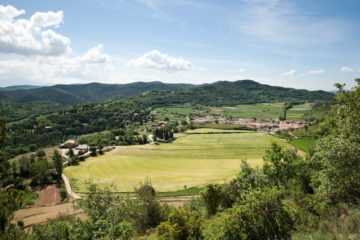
x: 344, y: 224
x: 222, y: 126
x: 192, y: 191
x: 192, y: 160
x: 297, y: 111
x: 213, y: 130
x: 30, y: 198
x: 303, y: 144
x: 48, y: 151
x: 176, y: 113
x: 247, y: 111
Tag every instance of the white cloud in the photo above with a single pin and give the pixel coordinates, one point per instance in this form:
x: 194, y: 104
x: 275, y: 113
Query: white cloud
x: 160, y: 61
x: 318, y: 71
x: 55, y: 69
x: 346, y: 69
x: 289, y: 73
x: 42, y: 53
x: 33, y: 36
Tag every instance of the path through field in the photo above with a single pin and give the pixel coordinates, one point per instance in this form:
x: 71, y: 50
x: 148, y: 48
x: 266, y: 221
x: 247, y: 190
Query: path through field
x: 73, y: 195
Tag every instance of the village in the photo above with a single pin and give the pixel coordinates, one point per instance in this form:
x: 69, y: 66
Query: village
x: 270, y: 126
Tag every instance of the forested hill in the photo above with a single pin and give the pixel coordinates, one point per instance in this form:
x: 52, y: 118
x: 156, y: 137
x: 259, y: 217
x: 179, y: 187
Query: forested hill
x: 82, y: 93
x: 218, y: 93
x: 224, y: 93
x: 17, y: 87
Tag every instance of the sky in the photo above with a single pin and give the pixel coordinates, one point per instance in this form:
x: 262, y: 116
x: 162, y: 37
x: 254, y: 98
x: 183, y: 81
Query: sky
x: 293, y: 43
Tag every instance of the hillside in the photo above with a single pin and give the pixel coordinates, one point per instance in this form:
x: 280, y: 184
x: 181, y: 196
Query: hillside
x: 17, y: 104
x: 81, y: 93
x: 17, y: 87
x: 224, y: 93
x: 218, y: 93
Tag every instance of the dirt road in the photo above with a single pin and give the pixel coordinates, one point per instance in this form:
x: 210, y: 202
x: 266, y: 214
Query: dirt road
x: 73, y: 195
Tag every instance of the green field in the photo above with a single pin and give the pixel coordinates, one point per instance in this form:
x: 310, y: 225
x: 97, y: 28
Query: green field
x: 258, y: 111
x: 297, y: 111
x: 303, y: 144
x: 174, y: 112
x: 246, y: 111
x: 192, y: 160
x: 214, y: 130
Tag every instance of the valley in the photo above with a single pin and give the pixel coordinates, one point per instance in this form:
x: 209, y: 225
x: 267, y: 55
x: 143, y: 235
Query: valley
x: 194, y: 159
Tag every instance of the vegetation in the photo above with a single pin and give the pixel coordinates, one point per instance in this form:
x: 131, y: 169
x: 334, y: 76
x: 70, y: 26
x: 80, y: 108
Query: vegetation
x: 286, y: 197
x: 303, y: 144
x: 249, y: 111
x: 191, y: 160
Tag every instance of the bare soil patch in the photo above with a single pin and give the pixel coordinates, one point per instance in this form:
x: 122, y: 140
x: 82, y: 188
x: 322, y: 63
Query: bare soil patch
x: 48, y: 194
x: 41, y: 214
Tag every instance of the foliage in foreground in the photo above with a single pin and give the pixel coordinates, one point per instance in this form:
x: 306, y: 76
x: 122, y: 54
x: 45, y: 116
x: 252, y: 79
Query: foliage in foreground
x: 288, y: 197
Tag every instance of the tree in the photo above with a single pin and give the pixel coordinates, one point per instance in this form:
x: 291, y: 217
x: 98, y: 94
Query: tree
x: 181, y: 225
x: 261, y: 216
x: 32, y: 147
x: 279, y: 164
x: 149, y: 210
x: 211, y: 197
x: 2, y: 130
x: 338, y: 154
x: 10, y: 201
x: 109, y: 215
x: 101, y: 150
x: 70, y: 153
x: 93, y: 151
x: 40, y: 153
x: 57, y: 160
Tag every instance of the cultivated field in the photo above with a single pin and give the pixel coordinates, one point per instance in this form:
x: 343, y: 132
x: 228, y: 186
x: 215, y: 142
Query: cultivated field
x: 259, y: 111
x: 297, y: 111
x: 174, y: 113
x: 303, y: 144
x: 192, y: 160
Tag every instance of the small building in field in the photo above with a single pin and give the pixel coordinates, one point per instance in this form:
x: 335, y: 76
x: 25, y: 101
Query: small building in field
x: 71, y: 143
x: 82, y: 148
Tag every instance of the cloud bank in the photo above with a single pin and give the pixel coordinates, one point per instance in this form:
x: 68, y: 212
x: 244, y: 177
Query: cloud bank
x: 36, y: 53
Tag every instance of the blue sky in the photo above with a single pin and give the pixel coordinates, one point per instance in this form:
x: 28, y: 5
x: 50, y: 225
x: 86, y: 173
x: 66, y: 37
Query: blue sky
x: 296, y: 43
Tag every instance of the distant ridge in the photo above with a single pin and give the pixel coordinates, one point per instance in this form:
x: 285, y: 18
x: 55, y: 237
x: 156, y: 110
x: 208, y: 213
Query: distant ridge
x: 83, y: 93
x: 218, y: 93
x: 225, y: 93
x: 18, y: 87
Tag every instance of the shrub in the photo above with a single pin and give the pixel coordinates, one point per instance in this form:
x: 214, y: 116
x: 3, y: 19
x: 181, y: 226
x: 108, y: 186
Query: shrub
x: 211, y: 197
x: 181, y: 225
x: 63, y: 193
x: 149, y: 212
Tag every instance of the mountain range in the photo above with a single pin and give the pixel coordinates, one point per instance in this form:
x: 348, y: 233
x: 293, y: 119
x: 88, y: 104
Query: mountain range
x: 222, y: 92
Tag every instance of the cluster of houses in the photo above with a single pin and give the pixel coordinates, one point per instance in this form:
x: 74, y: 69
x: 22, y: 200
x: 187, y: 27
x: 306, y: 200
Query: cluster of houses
x: 76, y: 147
x: 272, y: 126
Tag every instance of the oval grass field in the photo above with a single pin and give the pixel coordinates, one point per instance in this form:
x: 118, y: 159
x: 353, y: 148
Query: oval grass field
x: 192, y: 160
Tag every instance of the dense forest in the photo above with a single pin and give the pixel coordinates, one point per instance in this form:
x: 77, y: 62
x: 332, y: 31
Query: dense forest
x: 289, y: 197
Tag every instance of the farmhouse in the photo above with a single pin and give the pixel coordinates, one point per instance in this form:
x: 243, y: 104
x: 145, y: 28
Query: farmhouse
x: 71, y: 143
x: 82, y: 148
